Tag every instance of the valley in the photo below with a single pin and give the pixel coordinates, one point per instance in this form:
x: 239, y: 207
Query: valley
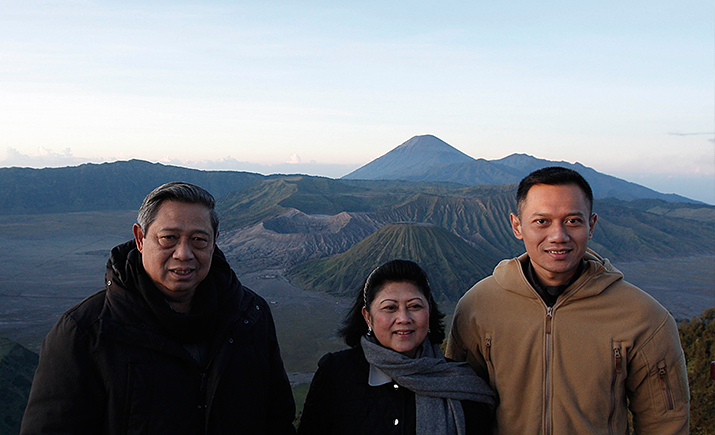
x: 50, y: 262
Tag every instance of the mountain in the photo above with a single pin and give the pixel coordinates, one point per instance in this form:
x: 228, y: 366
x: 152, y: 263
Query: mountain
x: 283, y: 222
x: 106, y: 186
x: 17, y: 368
x: 604, y: 186
x: 451, y: 264
x: 701, y: 212
x: 428, y: 159
x: 416, y: 155
x: 423, y: 159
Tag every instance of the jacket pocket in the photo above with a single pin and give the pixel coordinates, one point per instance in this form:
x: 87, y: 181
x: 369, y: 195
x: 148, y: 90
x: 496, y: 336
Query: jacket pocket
x: 488, y: 350
x: 667, y: 393
x: 619, y: 366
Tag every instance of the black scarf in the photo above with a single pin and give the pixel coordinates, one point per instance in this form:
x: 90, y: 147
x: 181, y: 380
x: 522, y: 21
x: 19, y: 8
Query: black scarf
x: 196, y: 326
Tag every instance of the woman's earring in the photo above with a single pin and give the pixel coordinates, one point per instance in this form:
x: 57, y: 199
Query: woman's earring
x: 369, y: 330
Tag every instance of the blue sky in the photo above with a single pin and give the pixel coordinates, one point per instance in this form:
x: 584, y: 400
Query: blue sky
x: 325, y: 87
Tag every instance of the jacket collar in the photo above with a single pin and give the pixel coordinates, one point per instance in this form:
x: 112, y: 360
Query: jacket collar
x: 599, y: 274
x: 128, y: 317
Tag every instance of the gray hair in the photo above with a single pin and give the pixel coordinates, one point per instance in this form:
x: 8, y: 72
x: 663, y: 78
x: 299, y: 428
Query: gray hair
x: 180, y: 192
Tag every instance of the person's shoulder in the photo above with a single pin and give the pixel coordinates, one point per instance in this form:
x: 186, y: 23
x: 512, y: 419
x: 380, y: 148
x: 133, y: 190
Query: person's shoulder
x: 637, y: 300
x: 249, y: 296
x: 485, y: 288
x: 82, y: 320
x: 342, y: 357
x: 347, y: 366
x: 244, y: 302
x: 88, y: 310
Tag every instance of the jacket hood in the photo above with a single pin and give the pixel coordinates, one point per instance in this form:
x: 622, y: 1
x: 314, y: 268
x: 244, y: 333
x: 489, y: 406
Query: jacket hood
x: 132, y: 295
x: 599, y: 274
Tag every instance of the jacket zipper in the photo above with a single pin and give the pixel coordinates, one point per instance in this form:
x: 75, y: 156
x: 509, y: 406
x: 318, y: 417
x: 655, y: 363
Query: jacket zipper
x: 202, y: 393
x: 617, y: 369
x: 665, y: 386
x: 490, y: 365
x: 547, y: 380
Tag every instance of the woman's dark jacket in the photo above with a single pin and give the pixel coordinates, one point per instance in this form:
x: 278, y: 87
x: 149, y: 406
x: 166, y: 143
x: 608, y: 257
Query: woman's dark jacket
x: 340, y: 401
x: 120, y: 362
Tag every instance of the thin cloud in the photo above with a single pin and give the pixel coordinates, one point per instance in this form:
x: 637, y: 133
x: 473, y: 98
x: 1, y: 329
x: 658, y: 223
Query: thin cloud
x: 675, y: 133
x: 45, y: 158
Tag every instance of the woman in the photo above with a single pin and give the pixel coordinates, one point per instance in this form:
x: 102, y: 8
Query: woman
x: 394, y: 378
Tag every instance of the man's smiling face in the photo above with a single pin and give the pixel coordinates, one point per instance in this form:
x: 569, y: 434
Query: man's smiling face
x: 177, y: 248
x: 555, y: 223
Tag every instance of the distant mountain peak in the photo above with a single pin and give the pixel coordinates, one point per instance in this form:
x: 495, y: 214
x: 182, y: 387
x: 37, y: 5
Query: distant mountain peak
x: 430, y: 143
x: 411, y: 157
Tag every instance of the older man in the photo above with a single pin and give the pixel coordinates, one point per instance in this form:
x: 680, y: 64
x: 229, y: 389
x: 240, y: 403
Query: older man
x: 566, y: 343
x: 174, y: 343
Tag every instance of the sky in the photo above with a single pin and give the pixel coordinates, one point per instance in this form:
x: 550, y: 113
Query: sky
x: 324, y: 87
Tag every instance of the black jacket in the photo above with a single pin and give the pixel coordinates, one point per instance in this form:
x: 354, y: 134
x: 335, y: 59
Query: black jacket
x: 120, y: 362
x: 341, y: 402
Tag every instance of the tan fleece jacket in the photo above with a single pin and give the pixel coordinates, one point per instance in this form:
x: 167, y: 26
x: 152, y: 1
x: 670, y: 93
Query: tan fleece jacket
x: 573, y: 368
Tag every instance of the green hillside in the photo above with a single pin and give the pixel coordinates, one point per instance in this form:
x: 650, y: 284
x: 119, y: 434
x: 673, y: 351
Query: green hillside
x: 17, y: 367
x: 697, y: 212
x: 479, y: 215
x: 311, y: 195
x: 106, y: 186
x: 627, y: 233
x: 451, y: 264
x: 698, y: 339
x: 255, y: 203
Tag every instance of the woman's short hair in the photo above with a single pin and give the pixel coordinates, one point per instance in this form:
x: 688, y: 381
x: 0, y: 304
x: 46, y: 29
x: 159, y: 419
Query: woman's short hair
x: 354, y: 325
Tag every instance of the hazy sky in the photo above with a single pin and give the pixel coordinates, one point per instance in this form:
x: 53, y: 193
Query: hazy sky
x: 625, y: 87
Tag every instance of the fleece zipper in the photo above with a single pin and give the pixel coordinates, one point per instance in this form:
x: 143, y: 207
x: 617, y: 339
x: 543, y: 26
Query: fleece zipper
x: 490, y: 365
x: 665, y: 386
x: 617, y: 370
x: 547, y: 378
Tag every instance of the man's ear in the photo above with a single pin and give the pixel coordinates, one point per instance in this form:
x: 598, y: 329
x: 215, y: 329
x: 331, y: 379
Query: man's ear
x: 592, y: 224
x: 516, y: 226
x: 138, y: 236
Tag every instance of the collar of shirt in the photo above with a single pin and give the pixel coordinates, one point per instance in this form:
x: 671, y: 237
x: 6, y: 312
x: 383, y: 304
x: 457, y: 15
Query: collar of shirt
x: 377, y: 377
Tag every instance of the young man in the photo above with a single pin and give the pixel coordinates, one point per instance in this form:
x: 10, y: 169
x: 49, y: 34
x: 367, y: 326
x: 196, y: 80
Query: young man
x: 565, y: 342
x: 174, y: 343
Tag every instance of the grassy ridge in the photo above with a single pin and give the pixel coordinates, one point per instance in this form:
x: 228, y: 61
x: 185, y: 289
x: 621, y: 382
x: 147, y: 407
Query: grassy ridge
x: 256, y: 203
x: 107, y: 186
x: 17, y: 368
x: 451, y: 264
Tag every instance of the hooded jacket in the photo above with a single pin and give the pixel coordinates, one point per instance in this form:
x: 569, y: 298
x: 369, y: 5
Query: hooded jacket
x: 572, y: 368
x: 121, y: 361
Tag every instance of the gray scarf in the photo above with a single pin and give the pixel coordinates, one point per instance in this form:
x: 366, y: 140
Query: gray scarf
x: 438, y: 385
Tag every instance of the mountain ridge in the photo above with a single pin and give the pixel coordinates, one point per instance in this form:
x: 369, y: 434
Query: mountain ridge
x: 317, y: 222
x: 448, y: 260
x: 121, y: 185
x: 118, y: 185
x: 507, y: 170
x: 416, y: 154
